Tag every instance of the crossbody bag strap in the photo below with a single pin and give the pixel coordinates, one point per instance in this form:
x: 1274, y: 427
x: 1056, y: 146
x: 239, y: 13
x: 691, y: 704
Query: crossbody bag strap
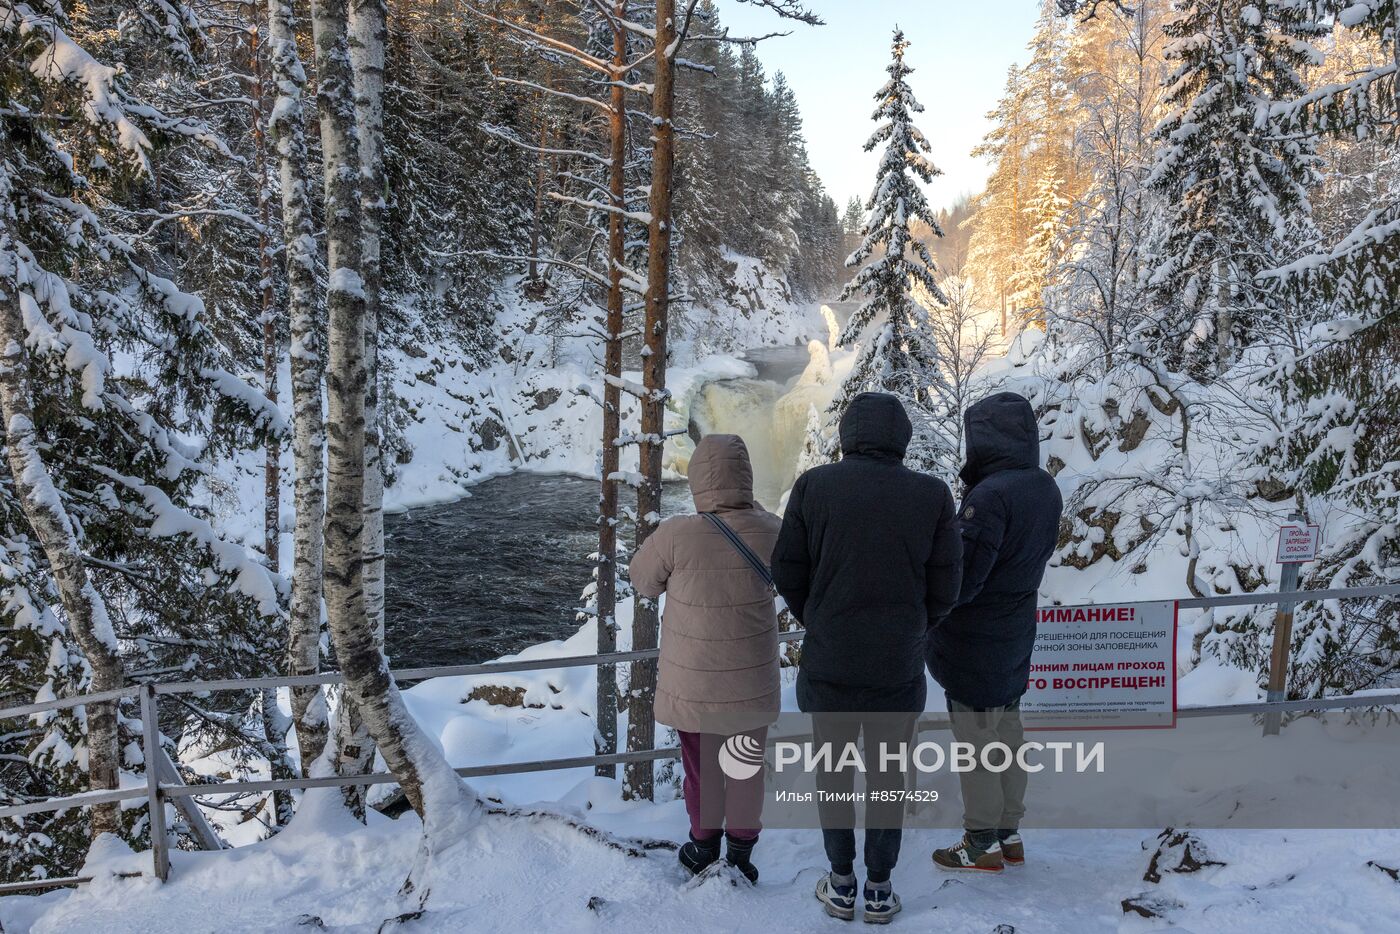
x: 754, y: 560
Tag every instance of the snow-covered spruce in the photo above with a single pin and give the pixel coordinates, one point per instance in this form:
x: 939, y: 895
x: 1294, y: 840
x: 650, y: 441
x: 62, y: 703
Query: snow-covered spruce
x: 897, y: 352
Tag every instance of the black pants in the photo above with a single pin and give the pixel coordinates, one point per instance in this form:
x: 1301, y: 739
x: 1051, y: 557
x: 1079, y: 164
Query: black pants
x: 884, y: 820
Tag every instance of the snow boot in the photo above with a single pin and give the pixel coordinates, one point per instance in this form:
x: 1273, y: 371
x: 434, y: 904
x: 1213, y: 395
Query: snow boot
x: 1013, y: 850
x: 839, y: 897
x: 698, y: 855
x: 738, y: 853
x: 881, y: 904
x: 968, y: 857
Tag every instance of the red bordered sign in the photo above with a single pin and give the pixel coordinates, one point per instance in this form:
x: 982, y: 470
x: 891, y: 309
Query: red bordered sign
x: 1103, y: 666
x: 1298, y: 544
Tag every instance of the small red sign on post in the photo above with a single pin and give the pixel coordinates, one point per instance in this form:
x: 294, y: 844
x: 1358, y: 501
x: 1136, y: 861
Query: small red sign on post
x: 1298, y: 544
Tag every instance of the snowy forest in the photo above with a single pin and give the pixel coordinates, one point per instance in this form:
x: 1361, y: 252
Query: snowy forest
x: 270, y: 271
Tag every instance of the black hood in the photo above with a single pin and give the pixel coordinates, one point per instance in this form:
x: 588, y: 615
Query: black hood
x: 875, y: 424
x: 1001, y: 434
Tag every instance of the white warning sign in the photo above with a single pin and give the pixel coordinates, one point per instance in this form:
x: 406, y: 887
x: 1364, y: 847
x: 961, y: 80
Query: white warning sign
x: 1104, y: 665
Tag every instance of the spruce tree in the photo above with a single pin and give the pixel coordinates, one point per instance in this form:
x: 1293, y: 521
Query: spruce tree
x: 1234, y: 188
x: 896, y: 355
x: 117, y: 394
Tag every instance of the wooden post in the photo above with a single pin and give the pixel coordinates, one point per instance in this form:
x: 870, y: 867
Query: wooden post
x: 186, y: 805
x: 1283, y: 641
x: 150, y: 734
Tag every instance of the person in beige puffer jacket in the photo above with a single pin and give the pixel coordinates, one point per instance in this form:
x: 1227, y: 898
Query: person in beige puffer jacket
x: 718, y: 673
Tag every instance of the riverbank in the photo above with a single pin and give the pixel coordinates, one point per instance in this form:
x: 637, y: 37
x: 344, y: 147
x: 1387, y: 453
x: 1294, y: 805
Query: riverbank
x: 534, y: 407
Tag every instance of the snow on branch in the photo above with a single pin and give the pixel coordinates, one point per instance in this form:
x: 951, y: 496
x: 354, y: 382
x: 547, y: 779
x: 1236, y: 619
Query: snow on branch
x: 604, y: 106
x: 251, y: 578
x: 505, y: 135
x: 641, y: 217
x: 618, y: 21
x: 629, y: 477
x: 1369, y: 233
x: 591, y: 275
x: 1088, y: 9
x: 564, y: 48
x: 789, y: 9
x: 60, y: 60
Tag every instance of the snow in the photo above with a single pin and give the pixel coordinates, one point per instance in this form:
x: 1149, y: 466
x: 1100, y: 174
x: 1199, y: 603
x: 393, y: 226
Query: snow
x: 346, y: 280
x: 582, y: 860
x: 63, y: 61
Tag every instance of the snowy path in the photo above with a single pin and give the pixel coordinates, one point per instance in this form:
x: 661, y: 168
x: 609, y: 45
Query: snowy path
x: 516, y: 874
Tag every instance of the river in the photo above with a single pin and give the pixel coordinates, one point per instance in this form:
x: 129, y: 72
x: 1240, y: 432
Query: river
x: 503, y: 567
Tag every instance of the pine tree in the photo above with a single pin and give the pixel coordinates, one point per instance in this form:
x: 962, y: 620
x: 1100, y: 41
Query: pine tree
x: 896, y: 355
x: 1000, y: 228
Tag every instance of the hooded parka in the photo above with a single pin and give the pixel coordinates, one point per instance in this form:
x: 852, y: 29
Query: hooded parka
x: 718, y: 671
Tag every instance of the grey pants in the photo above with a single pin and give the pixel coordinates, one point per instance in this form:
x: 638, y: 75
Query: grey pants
x: 991, y: 800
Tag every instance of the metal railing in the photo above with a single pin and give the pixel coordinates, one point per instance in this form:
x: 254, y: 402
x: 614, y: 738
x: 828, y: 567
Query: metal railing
x: 164, y: 784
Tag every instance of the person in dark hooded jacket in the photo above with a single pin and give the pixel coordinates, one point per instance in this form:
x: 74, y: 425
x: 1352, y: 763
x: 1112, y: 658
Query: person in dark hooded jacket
x: 981, y: 652
x: 868, y: 556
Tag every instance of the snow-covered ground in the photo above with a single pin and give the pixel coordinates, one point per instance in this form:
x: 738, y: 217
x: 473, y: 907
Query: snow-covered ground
x: 538, y: 870
x: 560, y: 851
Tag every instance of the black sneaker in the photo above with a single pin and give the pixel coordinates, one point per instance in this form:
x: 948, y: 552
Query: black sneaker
x: 698, y: 855
x: 840, y: 900
x: 739, y: 854
x: 881, y: 905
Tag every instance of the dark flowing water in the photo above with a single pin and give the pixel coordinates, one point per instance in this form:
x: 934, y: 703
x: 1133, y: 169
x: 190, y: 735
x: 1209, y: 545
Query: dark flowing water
x: 489, y: 574
x: 503, y: 568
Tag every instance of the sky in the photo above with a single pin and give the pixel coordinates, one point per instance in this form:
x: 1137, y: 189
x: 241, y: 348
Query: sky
x: 959, y: 50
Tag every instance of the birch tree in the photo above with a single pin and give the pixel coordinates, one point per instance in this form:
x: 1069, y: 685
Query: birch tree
x: 288, y: 128
x: 368, y: 30
x: 429, y: 783
x: 267, y: 311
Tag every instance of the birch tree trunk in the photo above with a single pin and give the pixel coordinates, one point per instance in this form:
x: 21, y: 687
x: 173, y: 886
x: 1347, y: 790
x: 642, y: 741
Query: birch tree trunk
x: 87, y: 613
x: 641, y: 723
x: 272, y: 472
x: 288, y: 127
x: 368, y: 33
x: 274, y: 724
x: 429, y: 783
x: 606, y: 716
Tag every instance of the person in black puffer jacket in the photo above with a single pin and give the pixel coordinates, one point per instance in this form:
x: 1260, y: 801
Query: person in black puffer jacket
x: 868, y: 556
x: 981, y: 652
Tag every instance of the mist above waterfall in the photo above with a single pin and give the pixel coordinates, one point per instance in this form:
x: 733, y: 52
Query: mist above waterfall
x: 770, y: 415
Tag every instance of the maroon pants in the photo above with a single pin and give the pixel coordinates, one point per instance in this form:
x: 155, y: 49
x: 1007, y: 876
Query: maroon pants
x: 714, y: 801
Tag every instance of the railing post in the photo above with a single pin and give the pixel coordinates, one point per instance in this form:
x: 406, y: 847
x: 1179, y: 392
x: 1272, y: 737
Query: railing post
x: 150, y: 737
x: 1283, y: 643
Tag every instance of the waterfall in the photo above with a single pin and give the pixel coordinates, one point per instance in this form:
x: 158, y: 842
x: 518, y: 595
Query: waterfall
x: 771, y: 417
